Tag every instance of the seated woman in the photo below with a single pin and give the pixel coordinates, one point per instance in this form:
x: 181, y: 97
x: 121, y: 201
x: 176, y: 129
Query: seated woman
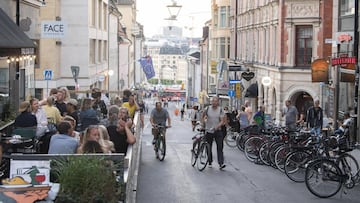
x: 52, y: 113
x: 105, y: 142
x: 41, y: 118
x: 121, y: 134
x: 92, y: 133
x: 25, y: 119
x: 92, y: 147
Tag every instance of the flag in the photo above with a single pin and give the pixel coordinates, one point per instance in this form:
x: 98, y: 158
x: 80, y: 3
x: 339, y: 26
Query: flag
x: 147, y: 66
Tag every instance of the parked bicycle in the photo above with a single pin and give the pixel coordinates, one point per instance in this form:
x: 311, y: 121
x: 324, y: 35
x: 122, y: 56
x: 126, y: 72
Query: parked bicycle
x: 324, y: 177
x: 160, y: 142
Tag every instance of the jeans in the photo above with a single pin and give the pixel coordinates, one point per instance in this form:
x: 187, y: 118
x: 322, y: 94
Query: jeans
x: 316, y: 131
x: 219, y: 139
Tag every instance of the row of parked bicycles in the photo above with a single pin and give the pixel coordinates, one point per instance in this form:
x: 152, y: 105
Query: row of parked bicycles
x: 321, y: 161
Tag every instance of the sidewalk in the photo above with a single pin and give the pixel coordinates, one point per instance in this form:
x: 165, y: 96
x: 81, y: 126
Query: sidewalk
x: 356, y: 153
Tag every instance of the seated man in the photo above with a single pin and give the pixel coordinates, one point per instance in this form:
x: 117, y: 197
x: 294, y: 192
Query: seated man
x: 344, y: 125
x: 64, y: 142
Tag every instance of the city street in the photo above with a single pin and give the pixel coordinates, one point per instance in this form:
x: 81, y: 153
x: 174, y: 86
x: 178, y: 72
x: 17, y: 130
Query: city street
x: 175, y: 180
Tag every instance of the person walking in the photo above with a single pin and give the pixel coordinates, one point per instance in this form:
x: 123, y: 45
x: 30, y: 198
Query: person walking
x: 259, y: 118
x: 194, y: 115
x: 314, y: 119
x: 243, y: 118
x: 213, y: 118
x: 291, y: 114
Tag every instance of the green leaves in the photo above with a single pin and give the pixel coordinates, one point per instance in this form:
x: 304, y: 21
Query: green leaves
x: 87, y: 179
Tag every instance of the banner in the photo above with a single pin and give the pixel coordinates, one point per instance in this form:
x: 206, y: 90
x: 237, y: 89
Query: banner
x: 147, y: 66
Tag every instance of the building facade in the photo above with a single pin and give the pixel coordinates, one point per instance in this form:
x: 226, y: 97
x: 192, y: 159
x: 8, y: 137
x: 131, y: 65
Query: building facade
x: 278, y: 44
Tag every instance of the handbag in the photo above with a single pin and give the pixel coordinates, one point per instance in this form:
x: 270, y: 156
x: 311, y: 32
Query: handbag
x: 52, y: 128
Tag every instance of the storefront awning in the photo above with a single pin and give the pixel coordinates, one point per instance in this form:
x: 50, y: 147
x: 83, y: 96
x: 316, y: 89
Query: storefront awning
x: 12, y: 39
x: 252, y: 91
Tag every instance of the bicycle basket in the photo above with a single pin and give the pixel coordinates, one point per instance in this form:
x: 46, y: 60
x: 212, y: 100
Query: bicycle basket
x: 344, y: 143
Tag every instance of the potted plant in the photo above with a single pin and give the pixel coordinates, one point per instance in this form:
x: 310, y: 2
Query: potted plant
x: 87, y: 179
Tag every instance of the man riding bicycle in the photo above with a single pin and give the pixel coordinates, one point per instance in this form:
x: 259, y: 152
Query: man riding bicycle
x: 159, y: 116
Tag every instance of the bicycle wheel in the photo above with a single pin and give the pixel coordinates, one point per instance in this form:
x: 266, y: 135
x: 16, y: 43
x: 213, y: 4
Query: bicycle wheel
x: 264, y: 152
x: 194, y: 152
x: 203, y: 156
x: 252, y: 146
x: 323, y: 178
x: 280, y: 157
x: 240, y: 140
x: 162, y: 147
x: 230, y: 138
x: 348, y: 165
x: 273, y: 149
x: 295, y: 165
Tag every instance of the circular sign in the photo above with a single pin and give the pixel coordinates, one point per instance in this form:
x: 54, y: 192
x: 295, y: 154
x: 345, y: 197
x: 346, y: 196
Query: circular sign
x: 266, y: 81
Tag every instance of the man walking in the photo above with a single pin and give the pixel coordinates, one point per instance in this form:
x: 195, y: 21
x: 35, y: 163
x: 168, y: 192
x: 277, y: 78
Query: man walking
x: 213, y: 118
x: 314, y: 119
x: 291, y: 114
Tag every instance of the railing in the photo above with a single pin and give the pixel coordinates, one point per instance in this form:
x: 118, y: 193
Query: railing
x: 132, y: 163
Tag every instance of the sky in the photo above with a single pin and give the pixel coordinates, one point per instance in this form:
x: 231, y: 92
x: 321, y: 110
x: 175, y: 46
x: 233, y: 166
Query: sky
x: 192, y: 17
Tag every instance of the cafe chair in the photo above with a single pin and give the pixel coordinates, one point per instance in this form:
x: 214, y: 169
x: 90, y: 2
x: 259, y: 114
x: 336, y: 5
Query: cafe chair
x: 27, y: 134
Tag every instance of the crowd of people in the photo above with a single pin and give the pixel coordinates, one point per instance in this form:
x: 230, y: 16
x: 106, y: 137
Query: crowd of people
x: 66, y: 125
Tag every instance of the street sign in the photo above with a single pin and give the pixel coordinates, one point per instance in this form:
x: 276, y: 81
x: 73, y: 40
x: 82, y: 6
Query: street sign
x: 48, y: 74
x: 234, y: 82
x: 238, y: 90
x: 231, y: 93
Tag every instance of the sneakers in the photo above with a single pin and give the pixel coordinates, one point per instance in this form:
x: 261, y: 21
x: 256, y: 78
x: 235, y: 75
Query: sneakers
x: 222, y: 166
x: 210, y: 165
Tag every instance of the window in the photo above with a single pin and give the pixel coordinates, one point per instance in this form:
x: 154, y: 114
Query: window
x: 347, y: 13
x: 223, y: 20
x: 105, y: 51
x: 99, y: 49
x: 304, y: 35
x: 347, y: 7
x: 92, y: 51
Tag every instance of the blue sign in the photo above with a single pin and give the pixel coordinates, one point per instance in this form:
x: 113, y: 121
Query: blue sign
x: 48, y: 74
x: 234, y: 81
x: 231, y: 93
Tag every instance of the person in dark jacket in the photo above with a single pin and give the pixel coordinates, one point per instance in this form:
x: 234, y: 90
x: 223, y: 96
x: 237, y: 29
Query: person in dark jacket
x: 25, y: 118
x: 314, y: 118
x: 87, y: 115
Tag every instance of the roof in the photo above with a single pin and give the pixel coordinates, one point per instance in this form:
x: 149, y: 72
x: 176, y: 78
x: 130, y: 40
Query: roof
x: 12, y: 39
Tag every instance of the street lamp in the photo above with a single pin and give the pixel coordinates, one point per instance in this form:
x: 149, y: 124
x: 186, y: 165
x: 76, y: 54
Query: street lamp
x: 174, y: 10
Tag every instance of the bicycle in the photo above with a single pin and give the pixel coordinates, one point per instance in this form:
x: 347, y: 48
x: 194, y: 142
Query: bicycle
x: 324, y: 177
x: 231, y: 136
x: 160, y: 142
x: 200, y: 150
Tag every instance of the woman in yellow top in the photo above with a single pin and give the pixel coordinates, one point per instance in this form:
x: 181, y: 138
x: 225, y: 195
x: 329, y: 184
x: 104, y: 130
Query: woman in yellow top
x: 132, y: 106
x: 52, y: 113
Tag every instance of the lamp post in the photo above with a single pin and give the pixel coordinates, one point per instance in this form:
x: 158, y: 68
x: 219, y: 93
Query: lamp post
x: 109, y: 73
x: 75, y: 73
x: 174, y: 10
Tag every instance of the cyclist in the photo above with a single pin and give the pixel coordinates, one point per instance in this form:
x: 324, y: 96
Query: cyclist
x: 158, y: 116
x: 214, y: 118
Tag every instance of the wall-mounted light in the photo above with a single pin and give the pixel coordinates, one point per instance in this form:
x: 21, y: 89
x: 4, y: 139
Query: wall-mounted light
x: 266, y: 81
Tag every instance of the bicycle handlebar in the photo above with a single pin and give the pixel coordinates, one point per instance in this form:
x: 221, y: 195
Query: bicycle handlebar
x: 160, y: 126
